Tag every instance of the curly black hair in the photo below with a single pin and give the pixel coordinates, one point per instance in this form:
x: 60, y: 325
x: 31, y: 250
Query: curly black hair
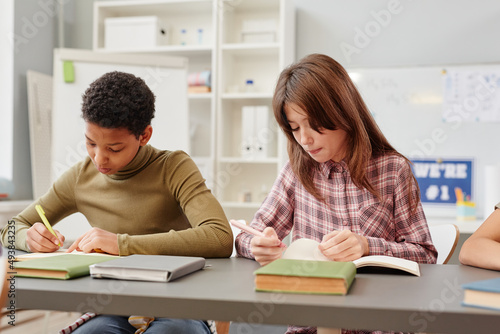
x: 119, y: 100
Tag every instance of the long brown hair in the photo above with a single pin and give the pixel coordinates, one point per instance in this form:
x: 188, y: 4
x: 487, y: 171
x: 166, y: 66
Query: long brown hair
x: 322, y: 88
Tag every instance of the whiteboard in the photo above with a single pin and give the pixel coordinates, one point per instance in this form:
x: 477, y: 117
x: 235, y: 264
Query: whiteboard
x: 40, y: 125
x: 408, y: 105
x: 165, y: 76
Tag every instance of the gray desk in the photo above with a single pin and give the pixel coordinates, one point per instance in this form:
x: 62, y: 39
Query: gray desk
x: 429, y: 303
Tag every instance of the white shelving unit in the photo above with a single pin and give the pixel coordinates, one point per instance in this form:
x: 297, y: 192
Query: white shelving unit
x: 240, y: 60
x: 236, y: 48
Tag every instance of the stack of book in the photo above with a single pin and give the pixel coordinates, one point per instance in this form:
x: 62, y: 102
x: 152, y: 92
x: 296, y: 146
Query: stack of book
x: 199, y: 82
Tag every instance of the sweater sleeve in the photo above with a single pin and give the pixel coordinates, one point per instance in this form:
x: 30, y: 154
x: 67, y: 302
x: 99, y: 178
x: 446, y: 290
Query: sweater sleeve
x: 209, y: 235
x: 58, y: 202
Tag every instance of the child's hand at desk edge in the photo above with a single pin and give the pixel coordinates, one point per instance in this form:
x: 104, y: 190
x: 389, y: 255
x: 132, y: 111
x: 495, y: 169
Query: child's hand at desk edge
x: 96, y: 240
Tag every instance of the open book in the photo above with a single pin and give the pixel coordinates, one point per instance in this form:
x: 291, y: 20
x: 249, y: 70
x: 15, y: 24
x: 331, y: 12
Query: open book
x: 307, y: 249
x: 30, y: 256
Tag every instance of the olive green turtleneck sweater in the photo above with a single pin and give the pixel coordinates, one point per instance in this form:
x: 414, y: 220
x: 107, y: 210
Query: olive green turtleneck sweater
x: 158, y: 204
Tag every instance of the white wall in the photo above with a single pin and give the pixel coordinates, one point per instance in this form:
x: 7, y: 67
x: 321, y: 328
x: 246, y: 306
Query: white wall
x: 409, y: 34
x: 423, y: 32
x: 6, y: 88
x: 33, y: 36
x: 418, y: 32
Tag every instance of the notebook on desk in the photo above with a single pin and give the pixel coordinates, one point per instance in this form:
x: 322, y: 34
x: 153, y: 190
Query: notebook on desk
x: 154, y: 268
x: 65, y: 266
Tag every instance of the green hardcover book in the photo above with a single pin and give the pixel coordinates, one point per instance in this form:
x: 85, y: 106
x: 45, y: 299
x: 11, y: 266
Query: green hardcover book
x: 65, y: 266
x: 305, y: 276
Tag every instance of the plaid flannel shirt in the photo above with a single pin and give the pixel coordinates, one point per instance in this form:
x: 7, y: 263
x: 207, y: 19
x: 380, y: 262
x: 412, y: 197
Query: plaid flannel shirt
x: 389, y: 224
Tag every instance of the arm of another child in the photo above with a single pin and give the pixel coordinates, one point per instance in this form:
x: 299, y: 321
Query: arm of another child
x: 483, y: 246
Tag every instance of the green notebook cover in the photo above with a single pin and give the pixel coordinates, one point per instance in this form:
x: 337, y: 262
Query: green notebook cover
x: 58, y: 267
x: 345, y: 271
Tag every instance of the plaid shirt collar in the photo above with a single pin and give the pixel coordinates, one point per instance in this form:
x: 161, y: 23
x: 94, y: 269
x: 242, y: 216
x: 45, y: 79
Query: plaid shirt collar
x: 329, y: 167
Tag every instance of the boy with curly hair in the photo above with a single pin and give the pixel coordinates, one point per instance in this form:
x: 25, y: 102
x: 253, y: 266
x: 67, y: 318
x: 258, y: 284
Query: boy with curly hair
x: 138, y: 199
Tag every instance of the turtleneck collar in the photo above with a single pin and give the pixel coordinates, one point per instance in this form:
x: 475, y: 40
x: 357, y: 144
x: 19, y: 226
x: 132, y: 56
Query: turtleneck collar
x: 137, y: 164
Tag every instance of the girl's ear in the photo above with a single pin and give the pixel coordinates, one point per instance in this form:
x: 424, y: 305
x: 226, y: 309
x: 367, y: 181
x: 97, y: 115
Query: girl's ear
x: 146, y: 135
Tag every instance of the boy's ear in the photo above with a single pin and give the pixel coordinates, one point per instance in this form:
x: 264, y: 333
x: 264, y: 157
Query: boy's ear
x: 146, y: 135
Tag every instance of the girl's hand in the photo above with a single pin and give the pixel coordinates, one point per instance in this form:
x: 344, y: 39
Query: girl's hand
x: 266, y: 249
x: 344, y: 246
x: 39, y: 239
x: 96, y: 240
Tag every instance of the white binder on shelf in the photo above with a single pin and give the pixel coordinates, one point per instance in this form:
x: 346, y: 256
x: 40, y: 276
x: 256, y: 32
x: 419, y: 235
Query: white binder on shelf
x: 247, y: 132
x: 258, y: 133
x: 263, y: 133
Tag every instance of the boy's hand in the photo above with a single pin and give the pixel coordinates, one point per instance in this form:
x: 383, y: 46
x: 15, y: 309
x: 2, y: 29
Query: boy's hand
x: 344, y: 246
x: 96, y: 240
x: 39, y: 239
x: 266, y: 249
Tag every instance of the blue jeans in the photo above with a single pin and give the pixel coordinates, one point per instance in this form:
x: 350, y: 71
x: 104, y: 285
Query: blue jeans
x: 114, y: 324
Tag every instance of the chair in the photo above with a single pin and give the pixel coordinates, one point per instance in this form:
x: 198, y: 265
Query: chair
x: 445, y: 238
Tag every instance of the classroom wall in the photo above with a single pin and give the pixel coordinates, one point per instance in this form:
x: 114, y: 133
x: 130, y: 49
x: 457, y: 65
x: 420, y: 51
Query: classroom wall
x: 34, y: 36
x: 6, y: 93
x: 409, y: 33
x: 419, y: 32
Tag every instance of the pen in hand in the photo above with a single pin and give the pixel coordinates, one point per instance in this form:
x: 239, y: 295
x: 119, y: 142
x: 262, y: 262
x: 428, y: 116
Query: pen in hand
x: 251, y: 230
x: 41, y: 213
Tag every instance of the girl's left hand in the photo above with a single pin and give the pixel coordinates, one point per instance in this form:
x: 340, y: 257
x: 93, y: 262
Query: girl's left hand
x: 96, y: 240
x: 344, y: 246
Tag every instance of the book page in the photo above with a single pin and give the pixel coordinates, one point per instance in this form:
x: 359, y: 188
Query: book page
x: 409, y: 266
x: 307, y: 249
x: 304, y: 249
x: 30, y: 256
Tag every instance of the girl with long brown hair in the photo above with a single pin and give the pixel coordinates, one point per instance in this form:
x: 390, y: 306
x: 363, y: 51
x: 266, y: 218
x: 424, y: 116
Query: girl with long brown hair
x: 345, y: 185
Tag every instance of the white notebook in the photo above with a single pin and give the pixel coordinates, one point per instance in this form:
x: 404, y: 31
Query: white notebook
x: 155, y: 268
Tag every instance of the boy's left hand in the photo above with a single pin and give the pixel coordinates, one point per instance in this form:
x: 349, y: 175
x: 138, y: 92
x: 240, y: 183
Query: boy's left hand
x: 344, y: 246
x: 96, y: 240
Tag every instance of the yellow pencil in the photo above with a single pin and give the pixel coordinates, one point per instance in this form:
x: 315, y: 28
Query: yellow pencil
x: 41, y: 213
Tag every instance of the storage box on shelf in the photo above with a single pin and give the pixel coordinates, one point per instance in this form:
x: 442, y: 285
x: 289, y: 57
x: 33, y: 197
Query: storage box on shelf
x: 188, y: 25
x: 134, y: 32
